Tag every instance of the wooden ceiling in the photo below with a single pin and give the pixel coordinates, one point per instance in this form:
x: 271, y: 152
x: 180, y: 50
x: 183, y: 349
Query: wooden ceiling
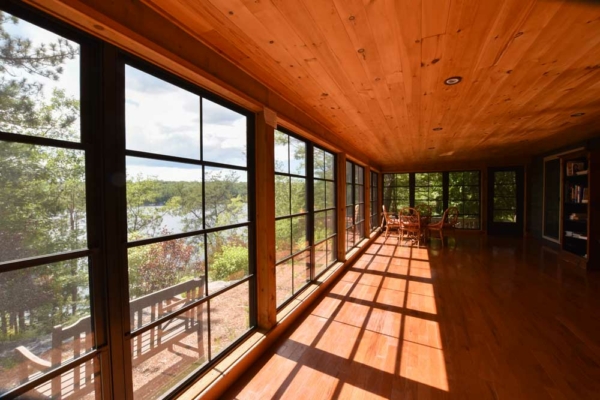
x: 373, y: 71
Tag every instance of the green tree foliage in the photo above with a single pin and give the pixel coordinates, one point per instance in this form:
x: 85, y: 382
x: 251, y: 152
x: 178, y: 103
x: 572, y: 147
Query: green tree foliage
x: 230, y: 263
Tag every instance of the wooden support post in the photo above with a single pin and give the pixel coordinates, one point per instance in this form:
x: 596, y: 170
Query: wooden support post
x: 266, y: 122
x: 341, y: 206
x: 367, y: 210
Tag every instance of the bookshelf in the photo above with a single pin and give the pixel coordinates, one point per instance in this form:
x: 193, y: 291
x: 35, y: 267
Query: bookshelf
x: 577, y: 214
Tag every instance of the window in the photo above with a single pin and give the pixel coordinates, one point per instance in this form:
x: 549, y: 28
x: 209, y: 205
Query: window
x: 505, y: 196
x: 48, y: 232
x: 292, y: 270
x: 374, y: 201
x: 396, y: 192
x: 324, y: 201
x: 188, y: 229
x: 439, y: 190
x: 463, y: 192
x: 355, y: 204
x: 305, y: 226
x: 429, y: 190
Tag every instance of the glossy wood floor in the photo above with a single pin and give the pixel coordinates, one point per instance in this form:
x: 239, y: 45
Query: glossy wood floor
x: 488, y: 318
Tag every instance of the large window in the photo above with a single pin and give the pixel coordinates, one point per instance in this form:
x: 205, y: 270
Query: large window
x: 292, y: 270
x: 429, y: 190
x: 48, y: 232
x: 463, y: 192
x: 438, y: 190
x: 125, y: 232
x: 325, y: 226
x: 355, y: 204
x: 188, y: 228
x: 374, y: 201
x: 305, y: 225
x: 396, y: 192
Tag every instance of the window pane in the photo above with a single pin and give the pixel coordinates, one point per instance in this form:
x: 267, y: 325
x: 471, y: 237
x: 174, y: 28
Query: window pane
x: 319, y: 163
x: 223, y: 134
x: 227, y: 257
x: 320, y: 258
x: 319, y: 193
x: 284, y: 281
x: 282, y: 195
x: 349, y: 195
x: 160, y: 272
x: 297, y: 157
x: 163, y: 198
x: 42, y: 200
x: 298, y: 199
x: 349, y: 172
x: 77, y: 383
x: 41, y: 85
x: 163, y: 356
x: 226, y: 196
x: 329, y: 166
x: 154, y: 128
x: 299, y: 240
x: 331, y: 251
x: 301, y: 270
x: 283, y: 238
x: 282, y: 163
x: 330, y: 200
x: 58, y: 297
x: 331, y: 223
x: 320, y: 226
x: 229, y: 316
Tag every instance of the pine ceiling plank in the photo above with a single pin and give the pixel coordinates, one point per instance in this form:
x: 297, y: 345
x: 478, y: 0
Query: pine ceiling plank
x: 273, y: 20
x: 326, y: 17
x: 358, y: 28
x: 435, y: 17
x: 309, y: 30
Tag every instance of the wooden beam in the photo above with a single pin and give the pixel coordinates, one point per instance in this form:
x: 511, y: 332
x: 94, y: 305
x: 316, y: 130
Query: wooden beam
x: 341, y: 206
x: 266, y: 122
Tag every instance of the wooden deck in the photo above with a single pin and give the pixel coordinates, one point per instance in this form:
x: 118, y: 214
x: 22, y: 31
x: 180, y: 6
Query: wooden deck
x: 489, y: 318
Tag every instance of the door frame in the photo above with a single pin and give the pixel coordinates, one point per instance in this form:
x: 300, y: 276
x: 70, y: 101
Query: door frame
x: 506, y: 228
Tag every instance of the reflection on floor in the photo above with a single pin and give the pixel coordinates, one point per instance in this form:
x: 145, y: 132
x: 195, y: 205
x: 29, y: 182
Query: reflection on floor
x: 496, y: 318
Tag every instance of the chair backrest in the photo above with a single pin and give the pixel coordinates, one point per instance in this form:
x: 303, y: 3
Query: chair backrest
x: 451, y: 216
x: 386, y: 216
x: 424, y: 210
x: 410, y: 218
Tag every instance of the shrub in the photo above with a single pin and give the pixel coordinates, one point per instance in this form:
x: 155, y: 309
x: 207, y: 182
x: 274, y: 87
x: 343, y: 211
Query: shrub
x: 229, y: 264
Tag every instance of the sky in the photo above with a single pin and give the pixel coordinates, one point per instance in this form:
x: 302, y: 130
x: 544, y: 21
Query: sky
x: 160, y: 118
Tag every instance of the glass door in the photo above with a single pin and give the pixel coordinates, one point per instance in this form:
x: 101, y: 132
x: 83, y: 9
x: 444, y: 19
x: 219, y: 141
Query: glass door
x: 552, y: 193
x: 505, y: 205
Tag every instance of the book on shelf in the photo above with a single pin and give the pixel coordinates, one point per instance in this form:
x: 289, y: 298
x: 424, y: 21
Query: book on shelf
x: 577, y: 194
x: 574, y: 166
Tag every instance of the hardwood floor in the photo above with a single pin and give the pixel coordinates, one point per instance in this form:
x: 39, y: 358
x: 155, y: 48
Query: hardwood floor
x: 487, y: 318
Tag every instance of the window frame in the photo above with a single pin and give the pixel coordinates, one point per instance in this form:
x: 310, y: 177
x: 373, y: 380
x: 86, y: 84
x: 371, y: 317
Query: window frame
x: 122, y: 60
x: 309, y: 213
x: 353, y: 222
x: 374, y: 194
x: 411, y: 187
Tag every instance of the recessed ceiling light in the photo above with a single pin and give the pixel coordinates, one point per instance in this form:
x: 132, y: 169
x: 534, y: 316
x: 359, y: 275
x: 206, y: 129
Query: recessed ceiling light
x: 577, y: 114
x: 453, y: 80
x: 437, y: 129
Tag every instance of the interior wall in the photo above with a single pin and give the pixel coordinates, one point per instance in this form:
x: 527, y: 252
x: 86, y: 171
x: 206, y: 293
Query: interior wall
x: 535, y: 188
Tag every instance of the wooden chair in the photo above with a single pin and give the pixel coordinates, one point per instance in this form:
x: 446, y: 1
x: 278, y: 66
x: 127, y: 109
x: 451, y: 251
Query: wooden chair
x: 425, y: 211
x: 448, y: 222
x: 390, y: 223
x: 410, y: 224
